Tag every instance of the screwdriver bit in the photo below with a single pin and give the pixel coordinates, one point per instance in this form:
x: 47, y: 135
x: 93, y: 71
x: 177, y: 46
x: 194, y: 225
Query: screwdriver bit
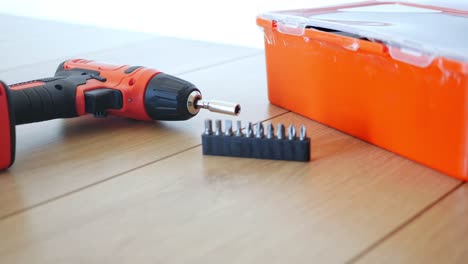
x: 270, y: 131
x: 208, y: 127
x: 218, y: 129
x: 217, y: 106
x: 249, y: 132
x: 239, y: 129
x: 291, y: 132
x: 228, y: 128
x: 302, y: 135
x: 259, y: 130
x: 281, y: 132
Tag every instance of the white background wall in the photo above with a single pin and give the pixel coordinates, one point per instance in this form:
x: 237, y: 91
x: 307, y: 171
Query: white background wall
x: 231, y: 22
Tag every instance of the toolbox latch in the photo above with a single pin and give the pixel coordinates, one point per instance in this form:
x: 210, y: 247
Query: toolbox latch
x: 410, y: 55
x: 291, y: 25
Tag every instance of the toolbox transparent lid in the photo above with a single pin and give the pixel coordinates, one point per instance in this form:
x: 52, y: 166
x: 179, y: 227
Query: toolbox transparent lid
x: 415, y: 32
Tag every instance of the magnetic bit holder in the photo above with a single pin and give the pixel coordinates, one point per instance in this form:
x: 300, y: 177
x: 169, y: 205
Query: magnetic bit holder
x: 254, y: 143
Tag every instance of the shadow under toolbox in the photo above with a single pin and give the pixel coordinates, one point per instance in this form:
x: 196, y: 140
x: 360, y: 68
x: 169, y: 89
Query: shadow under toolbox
x: 393, y: 74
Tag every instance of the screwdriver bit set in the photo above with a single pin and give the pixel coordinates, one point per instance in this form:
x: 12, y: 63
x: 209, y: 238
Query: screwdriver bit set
x: 255, y: 143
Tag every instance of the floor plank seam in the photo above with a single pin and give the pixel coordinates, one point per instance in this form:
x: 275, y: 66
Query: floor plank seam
x: 77, y: 55
x: 254, y: 54
x: 400, y: 227
x: 91, y: 185
x: 2, y: 218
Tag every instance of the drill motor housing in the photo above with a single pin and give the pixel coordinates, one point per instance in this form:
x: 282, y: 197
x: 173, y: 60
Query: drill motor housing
x: 81, y: 87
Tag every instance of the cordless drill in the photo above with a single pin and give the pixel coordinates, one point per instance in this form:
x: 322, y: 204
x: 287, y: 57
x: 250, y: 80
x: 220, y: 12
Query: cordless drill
x: 82, y: 87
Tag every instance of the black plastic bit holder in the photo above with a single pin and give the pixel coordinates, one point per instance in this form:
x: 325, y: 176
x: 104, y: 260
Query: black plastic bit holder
x: 259, y: 148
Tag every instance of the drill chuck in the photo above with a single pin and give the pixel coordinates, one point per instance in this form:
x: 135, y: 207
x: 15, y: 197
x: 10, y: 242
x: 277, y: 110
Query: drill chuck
x: 170, y: 98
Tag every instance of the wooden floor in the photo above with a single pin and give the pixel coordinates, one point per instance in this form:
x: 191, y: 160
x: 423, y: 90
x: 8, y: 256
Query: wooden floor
x: 113, y: 190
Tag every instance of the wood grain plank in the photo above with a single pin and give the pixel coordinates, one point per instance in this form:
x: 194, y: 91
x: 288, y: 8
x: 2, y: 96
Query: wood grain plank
x: 29, y: 41
x: 440, y: 235
x: 61, y: 156
x: 195, y: 209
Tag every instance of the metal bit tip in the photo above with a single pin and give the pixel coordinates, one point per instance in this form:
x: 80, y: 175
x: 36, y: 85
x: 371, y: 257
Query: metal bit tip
x: 228, y: 128
x: 281, y: 131
x: 219, y: 106
x: 208, y: 127
x: 303, y: 133
x: 249, y: 131
x: 291, y: 132
x: 270, y: 131
x: 259, y: 130
x: 239, y: 129
x: 218, y: 129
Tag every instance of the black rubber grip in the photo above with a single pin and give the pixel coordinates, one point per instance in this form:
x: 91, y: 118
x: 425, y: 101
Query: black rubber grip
x: 54, y: 99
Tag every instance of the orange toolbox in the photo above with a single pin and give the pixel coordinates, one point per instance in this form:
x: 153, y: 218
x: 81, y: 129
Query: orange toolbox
x: 394, y: 74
